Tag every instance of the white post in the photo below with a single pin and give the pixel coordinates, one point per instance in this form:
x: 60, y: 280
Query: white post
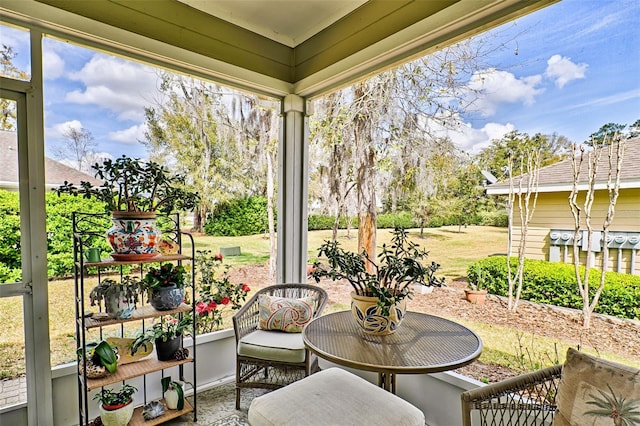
x: 293, y: 174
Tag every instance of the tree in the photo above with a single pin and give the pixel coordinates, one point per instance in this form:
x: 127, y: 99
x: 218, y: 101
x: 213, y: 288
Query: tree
x: 259, y: 126
x: 527, y: 187
x: 189, y: 131
x: 607, y: 133
x: 7, y: 69
x: 402, y: 110
x: 78, y: 147
x: 614, y: 147
x: 496, y: 157
x: 634, y: 130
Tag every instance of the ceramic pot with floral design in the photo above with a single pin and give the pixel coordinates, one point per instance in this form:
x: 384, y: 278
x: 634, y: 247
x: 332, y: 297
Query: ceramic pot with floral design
x: 166, y: 298
x: 134, y: 235
x: 370, y: 317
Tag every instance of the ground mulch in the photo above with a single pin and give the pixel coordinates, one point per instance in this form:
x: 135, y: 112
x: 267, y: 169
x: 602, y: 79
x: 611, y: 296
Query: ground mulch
x: 607, y: 334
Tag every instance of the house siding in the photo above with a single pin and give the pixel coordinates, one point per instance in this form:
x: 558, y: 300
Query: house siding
x: 552, y: 212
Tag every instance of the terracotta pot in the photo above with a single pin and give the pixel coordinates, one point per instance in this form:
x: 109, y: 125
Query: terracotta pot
x: 134, y: 235
x: 477, y: 297
x: 370, y: 318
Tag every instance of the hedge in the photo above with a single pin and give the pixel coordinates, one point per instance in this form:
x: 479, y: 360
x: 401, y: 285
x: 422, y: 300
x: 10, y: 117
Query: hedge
x: 555, y: 284
x: 59, y: 233
x: 384, y: 221
x: 240, y: 216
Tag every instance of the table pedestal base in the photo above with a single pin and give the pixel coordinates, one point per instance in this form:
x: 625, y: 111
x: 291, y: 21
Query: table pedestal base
x: 387, y: 381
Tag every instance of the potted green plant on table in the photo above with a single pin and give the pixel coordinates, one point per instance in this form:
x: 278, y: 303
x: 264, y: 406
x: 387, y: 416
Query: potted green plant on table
x: 116, y: 407
x: 380, y: 289
x: 119, y: 297
x: 165, y: 285
x: 167, y: 334
x: 134, y: 191
x: 477, y: 278
x: 100, y: 359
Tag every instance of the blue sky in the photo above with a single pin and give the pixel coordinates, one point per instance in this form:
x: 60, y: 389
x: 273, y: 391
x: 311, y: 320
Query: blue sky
x: 573, y: 67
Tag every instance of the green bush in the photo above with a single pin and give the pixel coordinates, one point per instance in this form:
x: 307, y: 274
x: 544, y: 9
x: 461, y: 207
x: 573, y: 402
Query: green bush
x: 10, y: 258
x: 322, y: 222
x: 493, y: 218
x: 392, y: 220
x: 555, y: 284
x: 59, y: 233
x: 240, y: 216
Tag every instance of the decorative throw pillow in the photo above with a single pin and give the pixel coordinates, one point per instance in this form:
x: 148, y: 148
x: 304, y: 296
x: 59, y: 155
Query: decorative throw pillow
x: 596, y: 392
x: 285, y: 314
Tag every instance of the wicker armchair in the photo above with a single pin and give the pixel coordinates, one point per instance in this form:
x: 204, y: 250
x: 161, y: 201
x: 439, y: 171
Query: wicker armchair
x: 528, y: 399
x: 252, y: 372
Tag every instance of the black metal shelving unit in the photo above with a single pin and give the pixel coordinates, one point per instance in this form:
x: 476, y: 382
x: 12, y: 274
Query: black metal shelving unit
x: 88, y: 230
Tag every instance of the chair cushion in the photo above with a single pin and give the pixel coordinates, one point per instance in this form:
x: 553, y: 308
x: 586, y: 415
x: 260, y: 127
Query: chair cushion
x: 332, y: 397
x: 273, y: 346
x: 285, y: 314
x: 590, y: 386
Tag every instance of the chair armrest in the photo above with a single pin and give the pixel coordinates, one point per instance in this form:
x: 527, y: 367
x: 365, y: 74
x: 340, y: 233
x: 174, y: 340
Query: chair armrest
x: 528, y: 394
x: 247, y: 318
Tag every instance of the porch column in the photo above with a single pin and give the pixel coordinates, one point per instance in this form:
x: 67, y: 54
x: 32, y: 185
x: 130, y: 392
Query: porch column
x: 293, y: 176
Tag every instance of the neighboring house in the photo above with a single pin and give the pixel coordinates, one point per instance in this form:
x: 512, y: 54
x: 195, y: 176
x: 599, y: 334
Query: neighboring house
x: 55, y: 172
x: 550, y: 235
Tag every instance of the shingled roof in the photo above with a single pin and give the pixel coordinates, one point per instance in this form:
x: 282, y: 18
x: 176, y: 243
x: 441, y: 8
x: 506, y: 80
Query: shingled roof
x: 55, y: 172
x: 558, y: 177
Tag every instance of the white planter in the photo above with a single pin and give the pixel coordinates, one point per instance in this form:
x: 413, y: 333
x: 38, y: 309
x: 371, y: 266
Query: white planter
x: 119, y: 417
x: 171, y: 398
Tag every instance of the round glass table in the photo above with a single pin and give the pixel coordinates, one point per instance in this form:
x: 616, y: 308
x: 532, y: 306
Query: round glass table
x: 422, y: 344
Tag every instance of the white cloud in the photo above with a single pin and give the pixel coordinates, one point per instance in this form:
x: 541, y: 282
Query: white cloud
x: 469, y: 139
x: 121, y: 86
x: 474, y: 140
x: 492, y: 88
x: 58, y: 130
x: 129, y: 136
x: 53, y: 65
x: 563, y: 70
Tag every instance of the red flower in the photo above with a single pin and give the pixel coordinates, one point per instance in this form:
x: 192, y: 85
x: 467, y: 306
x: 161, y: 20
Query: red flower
x: 245, y: 288
x: 225, y: 300
x: 218, y: 257
x: 212, y: 305
x: 201, y: 308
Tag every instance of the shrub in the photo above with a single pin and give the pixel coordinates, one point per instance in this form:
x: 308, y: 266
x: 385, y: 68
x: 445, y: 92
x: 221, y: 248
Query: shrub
x: 393, y: 220
x: 10, y: 258
x: 59, y: 233
x: 555, y: 284
x: 240, y: 216
x: 322, y: 222
x: 60, y: 230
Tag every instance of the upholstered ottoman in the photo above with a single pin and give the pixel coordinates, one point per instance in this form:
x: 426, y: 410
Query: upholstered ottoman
x: 332, y: 397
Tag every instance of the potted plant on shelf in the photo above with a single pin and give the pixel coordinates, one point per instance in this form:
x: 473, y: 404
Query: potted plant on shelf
x: 477, y: 277
x: 100, y: 357
x: 133, y: 192
x: 167, y: 336
x: 173, y: 393
x: 116, y: 408
x: 119, y: 298
x: 165, y: 285
x: 380, y: 292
